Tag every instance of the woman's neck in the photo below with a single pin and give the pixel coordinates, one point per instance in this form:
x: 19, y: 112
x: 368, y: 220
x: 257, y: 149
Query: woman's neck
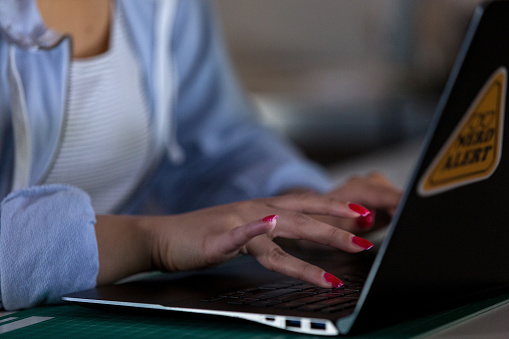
x: 87, y: 21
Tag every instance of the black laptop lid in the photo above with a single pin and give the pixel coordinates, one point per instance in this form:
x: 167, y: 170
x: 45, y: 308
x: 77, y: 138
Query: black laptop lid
x: 451, y: 235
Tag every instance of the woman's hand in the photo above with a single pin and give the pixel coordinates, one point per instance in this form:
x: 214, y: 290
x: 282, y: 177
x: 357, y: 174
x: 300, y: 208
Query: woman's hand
x: 132, y: 244
x: 205, y: 237
x: 374, y: 191
x: 213, y: 235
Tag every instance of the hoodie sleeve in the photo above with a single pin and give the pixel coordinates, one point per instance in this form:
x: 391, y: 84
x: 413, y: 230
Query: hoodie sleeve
x: 47, y: 245
x: 229, y: 155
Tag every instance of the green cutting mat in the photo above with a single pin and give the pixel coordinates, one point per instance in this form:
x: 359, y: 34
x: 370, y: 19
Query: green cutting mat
x: 75, y: 321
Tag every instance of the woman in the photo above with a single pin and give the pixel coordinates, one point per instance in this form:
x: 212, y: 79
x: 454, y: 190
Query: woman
x: 128, y: 146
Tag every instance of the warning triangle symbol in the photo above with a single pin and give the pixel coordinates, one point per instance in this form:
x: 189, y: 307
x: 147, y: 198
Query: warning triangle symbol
x: 473, y: 151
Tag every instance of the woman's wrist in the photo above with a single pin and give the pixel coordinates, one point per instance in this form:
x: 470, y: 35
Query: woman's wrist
x: 124, y: 246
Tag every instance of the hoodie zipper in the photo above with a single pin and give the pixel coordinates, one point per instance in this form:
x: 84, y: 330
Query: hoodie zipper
x: 22, y: 136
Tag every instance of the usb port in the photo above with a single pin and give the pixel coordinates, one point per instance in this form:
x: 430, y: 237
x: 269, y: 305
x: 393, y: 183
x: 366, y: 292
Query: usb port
x: 292, y: 323
x: 317, y: 326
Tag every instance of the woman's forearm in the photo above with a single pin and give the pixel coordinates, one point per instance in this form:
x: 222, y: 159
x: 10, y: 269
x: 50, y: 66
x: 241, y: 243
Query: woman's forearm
x: 124, y: 247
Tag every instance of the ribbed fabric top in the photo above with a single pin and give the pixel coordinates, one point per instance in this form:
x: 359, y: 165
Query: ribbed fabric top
x: 106, y: 146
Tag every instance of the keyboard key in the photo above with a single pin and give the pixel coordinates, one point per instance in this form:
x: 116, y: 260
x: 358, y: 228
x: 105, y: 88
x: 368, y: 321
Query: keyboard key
x: 333, y: 294
x: 241, y: 301
x: 310, y: 300
x: 233, y: 295
x: 275, y: 286
x: 294, y: 296
x: 209, y: 300
x: 270, y: 294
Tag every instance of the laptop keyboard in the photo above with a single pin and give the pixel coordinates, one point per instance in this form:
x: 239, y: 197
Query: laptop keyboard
x: 295, y: 294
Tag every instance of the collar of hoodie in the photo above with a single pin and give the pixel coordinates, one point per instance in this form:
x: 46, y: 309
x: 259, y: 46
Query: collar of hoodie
x: 21, y: 24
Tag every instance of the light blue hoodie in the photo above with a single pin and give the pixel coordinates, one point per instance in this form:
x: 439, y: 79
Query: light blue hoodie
x: 212, y: 150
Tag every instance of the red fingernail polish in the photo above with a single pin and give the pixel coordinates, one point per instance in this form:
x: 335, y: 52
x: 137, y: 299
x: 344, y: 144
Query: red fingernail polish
x: 361, y: 242
x: 366, y: 221
x: 363, y: 211
x: 270, y: 218
x: 333, y: 280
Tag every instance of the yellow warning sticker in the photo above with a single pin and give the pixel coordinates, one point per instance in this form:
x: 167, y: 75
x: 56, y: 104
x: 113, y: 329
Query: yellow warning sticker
x: 473, y: 151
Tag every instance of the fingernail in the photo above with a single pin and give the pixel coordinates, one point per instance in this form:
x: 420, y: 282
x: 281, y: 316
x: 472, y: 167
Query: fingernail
x: 361, y: 242
x: 333, y: 280
x: 366, y: 221
x: 270, y: 218
x: 363, y: 211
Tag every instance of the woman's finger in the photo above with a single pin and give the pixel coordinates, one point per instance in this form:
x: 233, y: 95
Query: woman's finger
x: 379, y: 178
x: 227, y: 245
x: 318, y: 204
x: 361, y: 224
x: 272, y: 257
x: 304, y: 227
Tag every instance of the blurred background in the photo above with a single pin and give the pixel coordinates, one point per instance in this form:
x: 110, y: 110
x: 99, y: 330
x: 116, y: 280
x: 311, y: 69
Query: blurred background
x: 342, y: 77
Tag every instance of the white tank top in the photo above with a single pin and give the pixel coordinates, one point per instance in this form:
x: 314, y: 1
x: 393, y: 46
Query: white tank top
x: 106, y: 145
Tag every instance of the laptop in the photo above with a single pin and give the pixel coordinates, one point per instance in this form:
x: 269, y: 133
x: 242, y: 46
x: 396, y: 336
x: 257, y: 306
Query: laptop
x: 447, y: 242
